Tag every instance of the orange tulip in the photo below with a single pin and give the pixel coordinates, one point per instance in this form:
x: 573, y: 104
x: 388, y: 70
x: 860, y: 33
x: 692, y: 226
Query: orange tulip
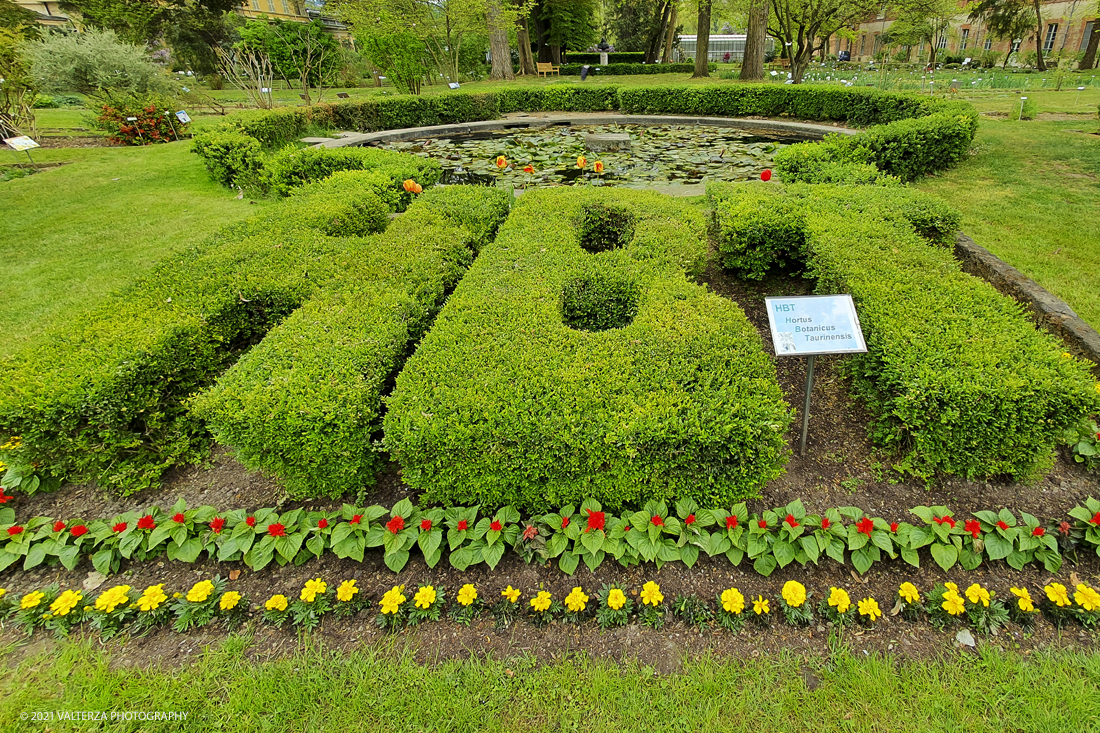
x: 529, y: 169
x: 409, y: 183
x: 417, y: 188
x: 581, y: 162
x: 599, y: 166
x: 502, y: 162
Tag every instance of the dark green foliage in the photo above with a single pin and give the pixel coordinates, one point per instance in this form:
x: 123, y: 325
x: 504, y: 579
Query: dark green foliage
x: 615, y: 57
x: 305, y: 403
x: 505, y: 403
x: 601, y: 227
x: 346, y: 204
x: 232, y: 158
x: 292, y: 167
x: 480, y: 211
x: 814, y: 163
x: 958, y: 378
x: 599, y: 300
x: 566, y: 96
x: 574, y: 69
x: 759, y: 233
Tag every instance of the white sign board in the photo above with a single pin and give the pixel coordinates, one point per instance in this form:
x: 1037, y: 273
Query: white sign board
x: 20, y: 143
x: 803, y: 325
x: 453, y: 85
x: 183, y: 117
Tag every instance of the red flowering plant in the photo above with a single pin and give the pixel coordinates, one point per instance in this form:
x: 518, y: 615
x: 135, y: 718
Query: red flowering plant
x: 826, y: 535
x: 762, y: 534
x: 785, y: 544
x: 430, y: 535
x: 867, y: 539
x: 19, y: 540
x: 543, y: 537
x: 119, y: 538
x: 398, y: 534
x: 1088, y: 521
x: 694, y: 535
x: 357, y: 531
x: 277, y: 537
x: 461, y: 526
x: 997, y: 534
x: 59, y: 542
x: 941, y: 533
x: 1033, y: 542
x: 730, y: 535
x: 176, y: 531
x: 490, y: 538
x: 590, y: 537
x: 154, y: 120
x: 317, y: 528
x: 653, y: 532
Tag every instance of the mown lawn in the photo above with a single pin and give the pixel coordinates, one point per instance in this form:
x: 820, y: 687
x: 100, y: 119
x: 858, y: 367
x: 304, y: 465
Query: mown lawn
x: 381, y: 690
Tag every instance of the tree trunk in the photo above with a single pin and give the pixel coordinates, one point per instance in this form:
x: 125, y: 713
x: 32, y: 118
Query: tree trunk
x: 540, y: 34
x: 523, y: 40
x: 800, y: 61
x: 1089, y: 61
x: 752, y: 66
x: 654, y: 49
x: 670, y: 36
x: 555, y: 55
x: 1039, y: 64
x: 498, y: 43
x: 702, y: 41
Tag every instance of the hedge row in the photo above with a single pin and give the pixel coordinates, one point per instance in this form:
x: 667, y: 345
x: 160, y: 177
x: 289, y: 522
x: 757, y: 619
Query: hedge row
x: 958, y: 378
x: 103, y: 396
x: 613, y: 57
x: 556, y: 373
x: 569, y: 535
x: 626, y: 69
x: 305, y: 403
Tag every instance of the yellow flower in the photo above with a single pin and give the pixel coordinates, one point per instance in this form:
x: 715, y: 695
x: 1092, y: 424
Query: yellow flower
x: 1067, y: 355
x: 978, y: 594
x: 616, y: 599
x: 794, y: 593
x: 65, y: 602
x: 909, y: 593
x: 276, y: 603
x: 392, y: 599
x: 953, y: 603
x: 110, y: 599
x: 733, y: 601
x: 839, y: 599
x: 1023, y: 599
x: 312, y: 589
x: 511, y: 594
x: 177, y: 595
x: 869, y: 607
x: 346, y: 591
x: 200, y: 591
x: 651, y: 594
x: 229, y: 600
x: 1087, y: 598
x: 467, y: 594
x: 576, y: 600
x: 541, y: 602
x: 31, y: 600
x: 2, y: 592
x: 760, y: 605
x: 151, y: 599
x: 952, y: 587
x: 1056, y: 592
x: 425, y: 596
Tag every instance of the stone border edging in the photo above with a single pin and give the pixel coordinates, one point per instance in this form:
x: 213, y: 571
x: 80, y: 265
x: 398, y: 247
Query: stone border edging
x: 586, y: 118
x: 1049, y: 312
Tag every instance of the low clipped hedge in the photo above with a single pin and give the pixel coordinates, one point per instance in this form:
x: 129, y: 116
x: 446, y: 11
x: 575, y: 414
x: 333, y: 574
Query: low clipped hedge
x: 231, y: 157
x: 305, y: 403
x: 627, y: 69
x: 102, y: 396
x: 291, y: 168
x: 661, y: 390
x: 565, y: 97
x: 613, y: 57
x: 346, y: 204
x: 958, y: 378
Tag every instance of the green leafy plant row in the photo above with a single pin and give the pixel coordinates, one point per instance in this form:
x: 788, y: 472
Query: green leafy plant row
x: 959, y: 379
x: 627, y: 69
x: 568, y: 536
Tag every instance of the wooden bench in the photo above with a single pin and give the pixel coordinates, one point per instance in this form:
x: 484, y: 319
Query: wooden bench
x: 785, y: 63
x: 547, y: 69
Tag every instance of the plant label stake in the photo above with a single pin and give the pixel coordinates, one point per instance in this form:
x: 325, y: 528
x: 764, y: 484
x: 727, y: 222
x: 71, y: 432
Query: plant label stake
x: 136, y: 129
x: 1079, y: 90
x: 169, y: 116
x: 24, y: 144
x: 808, y: 325
x: 1022, y: 99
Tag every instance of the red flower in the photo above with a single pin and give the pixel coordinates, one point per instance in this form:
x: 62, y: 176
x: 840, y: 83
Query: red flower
x: 1038, y: 532
x: 690, y: 519
x: 944, y: 520
x: 626, y: 529
x: 4, y: 499
x: 251, y: 521
x: 731, y: 521
x: 763, y: 524
x: 147, y: 522
x: 495, y: 526
x: 595, y: 521
x: 765, y: 175
x: 217, y: 525
x: 425, y: 525
x: 657, y: 521
x: 825, y: 523
x: 356, y: 519
x: 120, y: 527
x: 790, y: 520
x: 276, y: 530
x: 893, y: 526
x: 865, y: 526
x: 973, y: 527
x: 462, y: 525
x: 396, y: 524
x: 58, y: 526
x: 178, y: 518
x: 322, y: 524
x: 1002, y: 524
x: 530, y: 532
x: 1063, y: 527
x: 78, y: 530
x: 1095, y: 519
x: 564, y: 522
x: 12, y: 531
x: 528, y: 169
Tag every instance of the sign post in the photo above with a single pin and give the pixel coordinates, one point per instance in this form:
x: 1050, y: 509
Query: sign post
x: 24, y: 144
x: 808, y: 325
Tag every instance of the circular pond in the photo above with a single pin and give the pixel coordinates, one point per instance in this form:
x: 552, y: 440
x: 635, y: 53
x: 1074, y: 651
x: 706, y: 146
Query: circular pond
x: 547, y: 156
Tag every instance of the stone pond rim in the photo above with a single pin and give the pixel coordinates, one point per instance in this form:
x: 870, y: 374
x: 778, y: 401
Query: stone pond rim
x: 806, y: 130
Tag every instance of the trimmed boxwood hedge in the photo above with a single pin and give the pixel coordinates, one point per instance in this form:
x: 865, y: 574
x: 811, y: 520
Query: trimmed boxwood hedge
x: 503, y: 403
x: 627, y: 69
x: 613, y: 57
x: 305, y: 403
x: 291, y: 167
x: 958, y: 378
x: 102, y: 396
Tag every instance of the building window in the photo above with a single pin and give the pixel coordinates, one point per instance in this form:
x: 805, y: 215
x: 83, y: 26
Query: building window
x: 286, y: 8
x: 1052, y: 33
x: 988, y: 43
x: 271, y: 6
x: 255, y: 4
x: 1015, y: 47
x: 862, y: 44
x: 942, y: 43
x: 874, y: 45
x: 1088, y: 34
x: 965, y: 39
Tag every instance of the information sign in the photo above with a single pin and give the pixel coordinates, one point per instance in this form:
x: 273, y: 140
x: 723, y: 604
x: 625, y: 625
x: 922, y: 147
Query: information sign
x: 802, y: 325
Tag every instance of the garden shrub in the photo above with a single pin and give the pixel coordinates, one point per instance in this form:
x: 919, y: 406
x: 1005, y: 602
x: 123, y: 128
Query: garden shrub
x: 620, y: 69
x: 346, y: 204
x: 614, y: 57
x: 601, y: 227
x: 155, y: 119
x: 292, y: 167
x: 305, y: 403
x: 565, y: 96
x: 503, y: 402
x: 759, y: 233
x: 233, y: 158
x: 958, y: 378
x: 814, y: 163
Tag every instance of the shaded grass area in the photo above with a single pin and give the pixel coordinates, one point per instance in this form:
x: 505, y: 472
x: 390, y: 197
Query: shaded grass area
x: 1031, y: 195
x: 383, y: 690
x: 71, y: 235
